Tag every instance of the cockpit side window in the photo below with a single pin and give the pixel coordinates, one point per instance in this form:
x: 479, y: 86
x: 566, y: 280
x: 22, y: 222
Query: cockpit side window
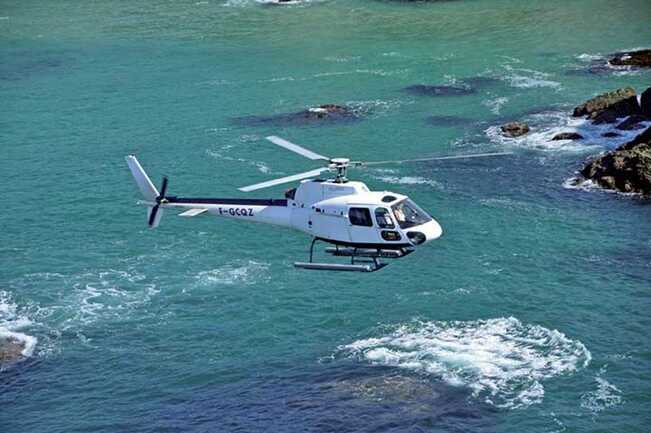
x: 383, y: 218
x: 360, y: 216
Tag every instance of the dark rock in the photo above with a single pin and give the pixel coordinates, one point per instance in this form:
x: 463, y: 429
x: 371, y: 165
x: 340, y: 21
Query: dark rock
x: 645, y: 103
x: 626, y: 169
x: 610, y: 134
x: 621, y: 102
x: 567, y: 136
x: 326, y: 110
x: 514, y: 129
x: 640, y: 58
x: 11, y: 350
x: 632, y: 122
x: 606, y: 116
x: 423, y: 89
x: 447, y: 120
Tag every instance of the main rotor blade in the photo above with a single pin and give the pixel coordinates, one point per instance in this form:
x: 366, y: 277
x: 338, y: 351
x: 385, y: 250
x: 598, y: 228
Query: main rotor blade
x: 436, y: 158
x: 285, y: 179
x: 295, y: 148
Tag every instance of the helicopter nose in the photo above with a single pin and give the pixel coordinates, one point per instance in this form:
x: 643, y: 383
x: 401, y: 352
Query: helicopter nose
x: 432, y: 230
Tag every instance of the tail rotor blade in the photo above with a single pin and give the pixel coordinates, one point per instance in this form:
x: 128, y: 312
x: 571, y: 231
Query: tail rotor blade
x: 152, y: 216
x: 295, y: 148
x: 163, y: 188
x: 279, y: 181
x: 436, y: 158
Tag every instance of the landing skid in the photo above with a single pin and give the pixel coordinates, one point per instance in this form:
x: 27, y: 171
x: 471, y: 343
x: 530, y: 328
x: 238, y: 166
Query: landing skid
x: 361, y: 259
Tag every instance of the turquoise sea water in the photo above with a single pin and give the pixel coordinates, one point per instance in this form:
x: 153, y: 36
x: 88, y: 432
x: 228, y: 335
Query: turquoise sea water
x: 530, y: 314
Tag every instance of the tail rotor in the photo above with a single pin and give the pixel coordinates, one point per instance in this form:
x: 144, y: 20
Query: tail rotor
x: 156, y: 213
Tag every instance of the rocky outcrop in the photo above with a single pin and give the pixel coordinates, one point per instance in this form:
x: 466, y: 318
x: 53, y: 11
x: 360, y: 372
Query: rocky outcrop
x: 567, y: 136
x: 632, y: 122
x: 514, y: 129
x: 321, y: 114
x: 640, y: 58
x: 327, y: 110
x: 11, y: 351
x: 625, y: 169
x: 610, y: 105
x: 645, y: 103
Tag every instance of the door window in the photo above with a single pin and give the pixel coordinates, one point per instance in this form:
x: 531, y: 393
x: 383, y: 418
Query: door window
x: 360, y: 216
x: 383, y: 218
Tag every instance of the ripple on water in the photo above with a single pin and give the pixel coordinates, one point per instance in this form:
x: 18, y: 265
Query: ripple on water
x: 241, y: 273
x: 606, y: 395
x: 502, y: 361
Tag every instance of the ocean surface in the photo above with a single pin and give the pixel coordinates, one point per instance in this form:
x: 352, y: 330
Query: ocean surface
x: 530, y: 314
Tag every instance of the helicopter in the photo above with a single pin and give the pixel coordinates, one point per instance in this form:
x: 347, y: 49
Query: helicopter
x: 363, y: 225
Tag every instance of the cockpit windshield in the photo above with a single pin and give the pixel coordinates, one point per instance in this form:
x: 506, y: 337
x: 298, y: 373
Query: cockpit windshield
x: 408, y: 214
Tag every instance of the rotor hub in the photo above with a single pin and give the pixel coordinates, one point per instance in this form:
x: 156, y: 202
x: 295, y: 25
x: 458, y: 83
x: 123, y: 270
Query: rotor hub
x: 340, y: 162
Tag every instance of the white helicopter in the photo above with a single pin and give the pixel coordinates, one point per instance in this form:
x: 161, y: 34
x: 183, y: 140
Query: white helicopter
x: 361, y: 224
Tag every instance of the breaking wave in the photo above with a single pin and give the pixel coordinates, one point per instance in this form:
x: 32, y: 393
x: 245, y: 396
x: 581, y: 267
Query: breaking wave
x: 545, y: 125
x: 502, y: 361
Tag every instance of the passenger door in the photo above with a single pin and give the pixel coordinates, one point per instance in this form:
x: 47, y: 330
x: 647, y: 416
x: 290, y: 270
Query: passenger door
x: 361, y: 227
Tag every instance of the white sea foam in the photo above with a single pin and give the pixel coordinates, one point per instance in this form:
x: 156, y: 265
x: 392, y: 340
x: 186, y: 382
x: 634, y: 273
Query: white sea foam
x: 240, y: 273
x: 544, y: 126
x: 606, y: 395
x: 528, y: 78
x: 221, y: 155
x: 495, y: 104
x: 503, y: 361
x: 12, y: 321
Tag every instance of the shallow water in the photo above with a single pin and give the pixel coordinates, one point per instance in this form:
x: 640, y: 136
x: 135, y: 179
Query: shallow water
x: 530, y: 314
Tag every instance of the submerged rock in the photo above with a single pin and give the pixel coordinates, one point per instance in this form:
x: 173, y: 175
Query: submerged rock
x: 11, y: 350
x: 625, y: 169
x: 326, y: 113
x: 609, y: 105
x: 640, y: 58
x: 514, y: 129
x: 448, y: 120
x: 567, y: 136
x: 427, y: 90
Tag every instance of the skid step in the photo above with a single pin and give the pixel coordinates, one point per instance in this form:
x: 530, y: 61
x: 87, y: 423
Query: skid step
x: 339, y: 267
x: 363, y: 252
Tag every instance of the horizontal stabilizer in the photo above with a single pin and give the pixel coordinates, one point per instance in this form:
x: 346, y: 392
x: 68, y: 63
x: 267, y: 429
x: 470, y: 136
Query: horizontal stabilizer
x: 193, y: 212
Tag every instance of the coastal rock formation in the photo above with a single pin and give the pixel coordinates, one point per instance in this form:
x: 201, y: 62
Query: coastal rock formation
x: 427, y: 90
x: 514, y: 129
x: 626, y: 169
x: 645, y: 103
x: 11, y: 350
x: 567, y: 136
x: 632, y: 122
x: 607, y: 107
x: 640, y: 58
